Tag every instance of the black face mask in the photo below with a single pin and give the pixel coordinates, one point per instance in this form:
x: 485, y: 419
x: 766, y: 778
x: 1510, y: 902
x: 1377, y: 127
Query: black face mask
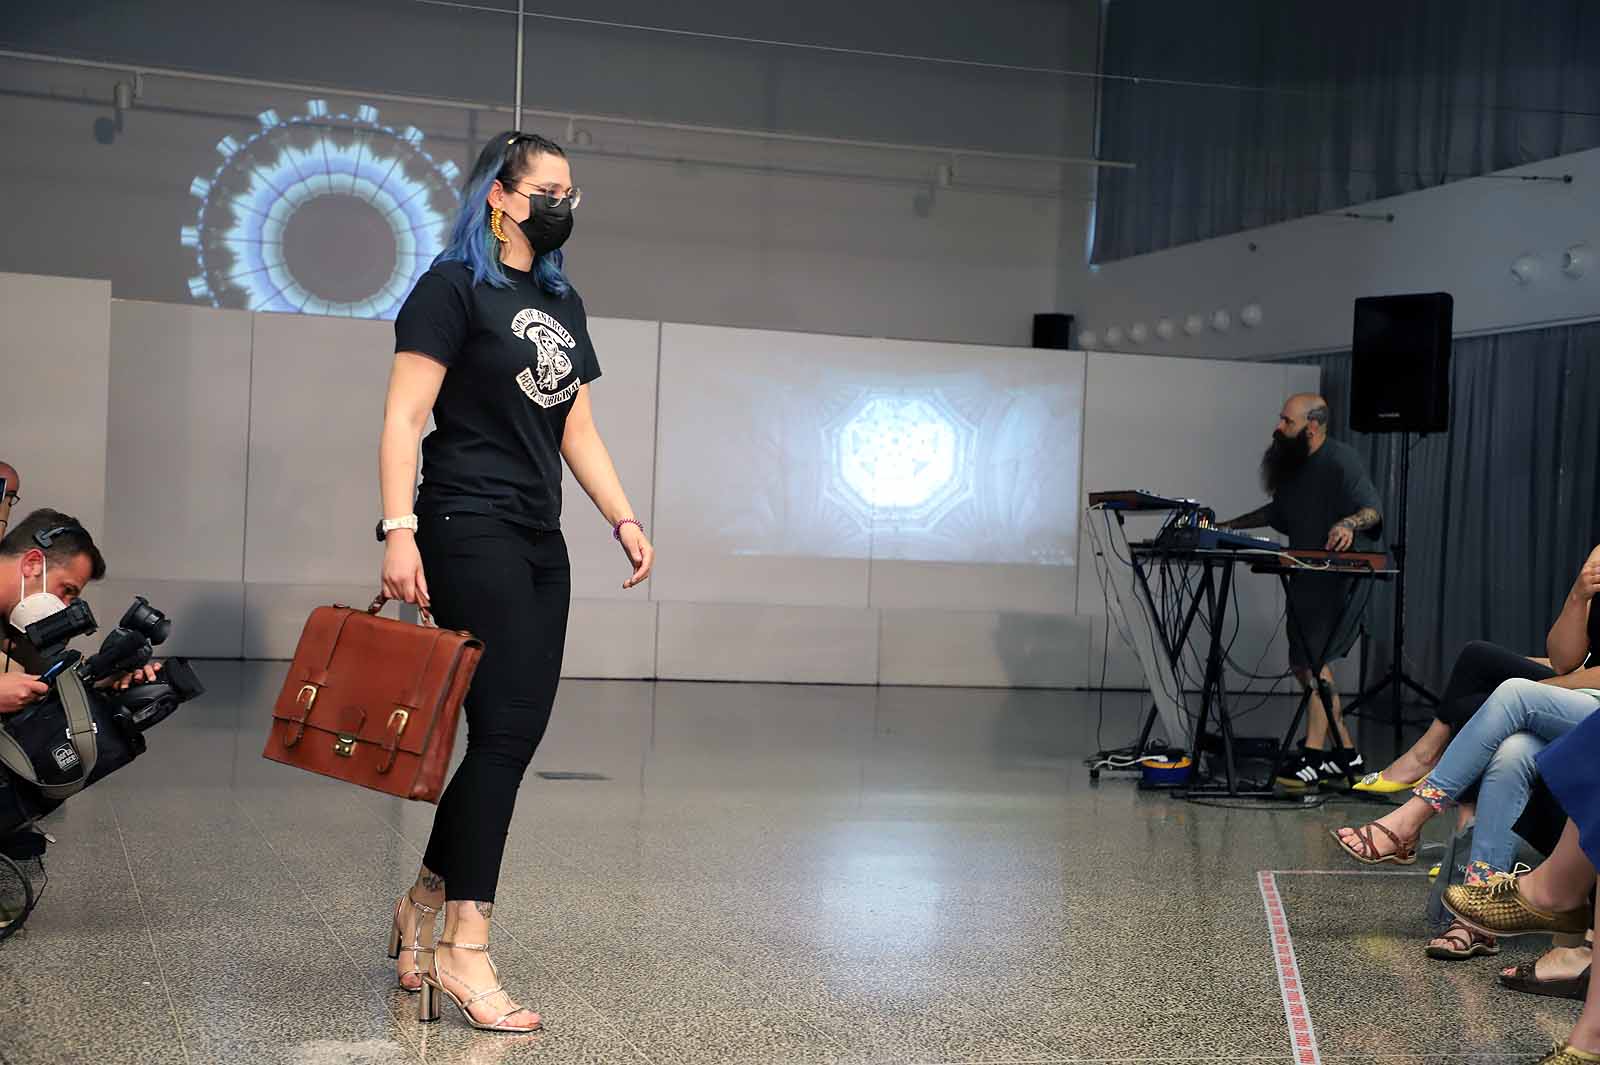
x: 1284, y: 458
x: 547, y: 228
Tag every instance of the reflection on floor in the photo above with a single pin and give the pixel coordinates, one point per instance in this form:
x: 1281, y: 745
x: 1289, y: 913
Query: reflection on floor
x: 766, y: 874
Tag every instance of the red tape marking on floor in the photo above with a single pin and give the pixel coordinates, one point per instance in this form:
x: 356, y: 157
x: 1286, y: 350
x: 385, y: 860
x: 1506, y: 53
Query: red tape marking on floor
x: 1302, y: 1035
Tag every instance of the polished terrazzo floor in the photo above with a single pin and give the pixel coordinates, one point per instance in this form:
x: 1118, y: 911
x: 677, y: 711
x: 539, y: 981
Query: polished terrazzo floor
x: 767, y: 875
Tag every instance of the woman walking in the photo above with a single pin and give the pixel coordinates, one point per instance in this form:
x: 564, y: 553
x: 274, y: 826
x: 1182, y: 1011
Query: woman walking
x: 494, y: 342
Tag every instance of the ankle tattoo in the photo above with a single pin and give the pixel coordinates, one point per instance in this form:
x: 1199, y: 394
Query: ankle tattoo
x: 430, y: 882
x: 485, y: 909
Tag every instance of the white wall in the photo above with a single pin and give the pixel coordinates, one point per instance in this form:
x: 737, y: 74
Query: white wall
x: 1305, y: 275
x: 675, y: 226
x: 54, y: 350
x: 235, y: 454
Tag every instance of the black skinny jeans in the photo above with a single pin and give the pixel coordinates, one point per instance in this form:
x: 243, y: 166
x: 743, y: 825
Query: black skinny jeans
x: 510, y: 586
x: 1480, y: 668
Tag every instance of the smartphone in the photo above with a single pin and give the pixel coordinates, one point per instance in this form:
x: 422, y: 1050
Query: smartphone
x: 49, y: 675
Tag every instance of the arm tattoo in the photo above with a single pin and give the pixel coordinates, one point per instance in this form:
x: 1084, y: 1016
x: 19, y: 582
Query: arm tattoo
x: 1253, y: 520
x: 1365, y: 518
x: 485, y: 909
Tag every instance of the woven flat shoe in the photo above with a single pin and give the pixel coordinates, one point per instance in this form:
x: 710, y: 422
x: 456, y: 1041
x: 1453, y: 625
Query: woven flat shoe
x: 1498, y: 909
x: 1568, y: 1055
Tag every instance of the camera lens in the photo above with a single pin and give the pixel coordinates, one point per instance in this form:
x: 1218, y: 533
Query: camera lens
x: 147, y: 621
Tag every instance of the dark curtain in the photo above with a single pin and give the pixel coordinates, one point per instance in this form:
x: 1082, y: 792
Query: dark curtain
x: 1504, y: 507
x: 1336, y: 104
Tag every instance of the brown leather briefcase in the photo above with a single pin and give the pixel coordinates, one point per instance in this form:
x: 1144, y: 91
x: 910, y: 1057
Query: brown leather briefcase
x: 374, y: 701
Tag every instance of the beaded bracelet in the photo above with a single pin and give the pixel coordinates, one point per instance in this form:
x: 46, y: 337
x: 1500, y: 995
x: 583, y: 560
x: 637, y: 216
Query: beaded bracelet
x: 616, y: 530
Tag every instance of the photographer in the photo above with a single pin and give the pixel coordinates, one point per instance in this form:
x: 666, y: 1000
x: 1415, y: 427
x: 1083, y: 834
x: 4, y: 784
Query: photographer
x: 46, y: 560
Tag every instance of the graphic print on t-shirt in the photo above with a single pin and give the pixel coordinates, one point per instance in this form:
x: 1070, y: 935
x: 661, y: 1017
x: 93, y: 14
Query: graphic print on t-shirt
x: 541, y: 382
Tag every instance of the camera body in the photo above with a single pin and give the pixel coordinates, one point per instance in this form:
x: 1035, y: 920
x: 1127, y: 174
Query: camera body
x: 126, y: 648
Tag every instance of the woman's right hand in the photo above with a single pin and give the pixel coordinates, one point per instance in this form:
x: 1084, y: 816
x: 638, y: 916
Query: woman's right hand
x: 402, y: 570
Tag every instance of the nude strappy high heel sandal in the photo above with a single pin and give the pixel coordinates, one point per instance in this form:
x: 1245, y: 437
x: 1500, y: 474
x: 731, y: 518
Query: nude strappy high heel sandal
x: 423, y: 915
x: 428, y: 1007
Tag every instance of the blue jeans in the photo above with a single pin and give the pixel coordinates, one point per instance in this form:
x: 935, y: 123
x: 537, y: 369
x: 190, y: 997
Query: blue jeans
x: 1498, y: 747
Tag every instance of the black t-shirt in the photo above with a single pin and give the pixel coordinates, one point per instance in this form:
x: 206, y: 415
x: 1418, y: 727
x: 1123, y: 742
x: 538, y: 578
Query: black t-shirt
x: 514, y: 359
x: 1333, y: 484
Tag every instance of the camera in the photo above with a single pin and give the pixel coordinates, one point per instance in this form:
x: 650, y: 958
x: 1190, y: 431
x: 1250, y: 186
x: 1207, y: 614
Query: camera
x: 49, y: 759
x: 126, y: 648
x: 50, y: 636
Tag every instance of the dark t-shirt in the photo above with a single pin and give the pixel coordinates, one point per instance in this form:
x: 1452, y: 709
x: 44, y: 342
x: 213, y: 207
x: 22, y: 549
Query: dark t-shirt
x: 1325, y: 610
x: 1333, y: 484
x: 514, y: 359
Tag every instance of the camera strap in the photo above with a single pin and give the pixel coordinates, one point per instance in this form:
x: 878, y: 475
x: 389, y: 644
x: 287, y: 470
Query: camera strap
x: 80, y: 732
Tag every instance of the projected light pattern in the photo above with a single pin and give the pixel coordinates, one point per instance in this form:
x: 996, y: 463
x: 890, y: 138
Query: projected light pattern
x: 905, y: 459
x: 319, y: 214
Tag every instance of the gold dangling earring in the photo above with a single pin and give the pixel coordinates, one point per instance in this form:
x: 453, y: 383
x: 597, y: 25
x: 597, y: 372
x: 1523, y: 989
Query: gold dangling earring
x: 495, y: 214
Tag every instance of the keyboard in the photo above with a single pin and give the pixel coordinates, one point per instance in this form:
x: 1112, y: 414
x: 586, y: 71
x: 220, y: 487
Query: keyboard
x: 1364, y: 561
x: 1189, y: 538
x: 1131, y: 499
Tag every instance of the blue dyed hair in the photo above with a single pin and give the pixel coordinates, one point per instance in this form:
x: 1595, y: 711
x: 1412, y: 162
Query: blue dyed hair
x: 505, y: 158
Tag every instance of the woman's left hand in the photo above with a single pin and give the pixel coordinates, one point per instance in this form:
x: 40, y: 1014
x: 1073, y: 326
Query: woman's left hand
x: 643, y: 556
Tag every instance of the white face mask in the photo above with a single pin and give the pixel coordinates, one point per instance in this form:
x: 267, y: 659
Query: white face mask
x: 35, y: 607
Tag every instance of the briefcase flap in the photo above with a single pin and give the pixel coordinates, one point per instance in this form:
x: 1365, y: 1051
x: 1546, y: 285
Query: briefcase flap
x: 365, y: 679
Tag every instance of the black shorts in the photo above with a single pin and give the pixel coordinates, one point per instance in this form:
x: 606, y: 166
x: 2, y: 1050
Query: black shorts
x: 1324, y: 617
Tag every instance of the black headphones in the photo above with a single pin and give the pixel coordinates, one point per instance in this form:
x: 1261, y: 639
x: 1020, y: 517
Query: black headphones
x: 45, y: 537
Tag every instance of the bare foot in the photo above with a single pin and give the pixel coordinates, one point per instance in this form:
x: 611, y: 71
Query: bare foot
x: 1412, y: 766
x: 408, y: 966
x: 468, y: 973
x: 1561, y: 963
x: 1459, y: 938
x: 1400, y: 821
x: 1541, y: 894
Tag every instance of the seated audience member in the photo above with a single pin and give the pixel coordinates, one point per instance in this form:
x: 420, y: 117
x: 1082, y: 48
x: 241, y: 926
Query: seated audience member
x: 1558, y: 897
x: 1495, y: 750
x: 1482, y: 667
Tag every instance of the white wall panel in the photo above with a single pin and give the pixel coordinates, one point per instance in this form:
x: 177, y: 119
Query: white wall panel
x: 316, y: 412
x: 54, y: 368
x: 177, y: 437
x: 791, y: 645
x: 983, y: 649
x: 624, y: 402
x: 610, y: 639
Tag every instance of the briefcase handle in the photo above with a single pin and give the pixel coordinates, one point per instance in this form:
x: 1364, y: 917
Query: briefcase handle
x: 380, y: 600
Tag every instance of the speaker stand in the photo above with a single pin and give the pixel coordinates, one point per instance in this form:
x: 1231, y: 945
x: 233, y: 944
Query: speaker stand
x: 1397, y: 680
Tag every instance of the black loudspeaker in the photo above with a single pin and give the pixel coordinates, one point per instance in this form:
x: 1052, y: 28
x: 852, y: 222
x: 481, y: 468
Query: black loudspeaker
x: 1400, y: 364
x: 1052, y: 331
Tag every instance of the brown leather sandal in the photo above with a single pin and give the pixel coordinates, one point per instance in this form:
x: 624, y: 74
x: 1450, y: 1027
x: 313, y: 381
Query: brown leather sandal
x: 1405, y: 850
x: 1465, y: 943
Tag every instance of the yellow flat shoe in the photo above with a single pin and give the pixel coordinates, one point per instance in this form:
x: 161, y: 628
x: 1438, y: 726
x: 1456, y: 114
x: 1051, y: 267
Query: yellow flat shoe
x: 1378, y: 784
x: 1433, y: 874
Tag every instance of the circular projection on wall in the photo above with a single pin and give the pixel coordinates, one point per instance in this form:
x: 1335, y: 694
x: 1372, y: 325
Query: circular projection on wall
x: 320, y: 214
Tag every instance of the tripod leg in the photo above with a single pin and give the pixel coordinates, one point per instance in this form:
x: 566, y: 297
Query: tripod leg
x: 1421, y: 689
